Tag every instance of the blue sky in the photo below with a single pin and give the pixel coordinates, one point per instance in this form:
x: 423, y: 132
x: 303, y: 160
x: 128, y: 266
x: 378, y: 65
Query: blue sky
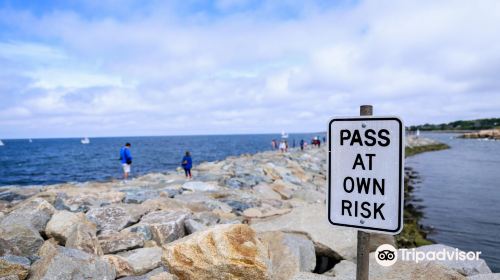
x: 106, y: 68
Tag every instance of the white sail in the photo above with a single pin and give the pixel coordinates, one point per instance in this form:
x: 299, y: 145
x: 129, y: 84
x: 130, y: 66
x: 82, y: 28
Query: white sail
x: 85, y: 140
x: 284, y: 135
x: 1, y: 143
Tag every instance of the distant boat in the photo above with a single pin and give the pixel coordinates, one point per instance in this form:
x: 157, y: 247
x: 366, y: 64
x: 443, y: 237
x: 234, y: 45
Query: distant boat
x: 284, y: 135
x: 1, y: 143
x: 31, y: 140
x: 85, y: 140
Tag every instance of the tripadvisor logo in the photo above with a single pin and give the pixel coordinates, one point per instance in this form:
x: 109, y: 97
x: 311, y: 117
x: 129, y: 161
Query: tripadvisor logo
x: 386, y: 255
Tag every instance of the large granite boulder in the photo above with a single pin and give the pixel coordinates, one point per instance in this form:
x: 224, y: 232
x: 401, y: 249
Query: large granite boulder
x: 166, y: 226
x: 312, y: 220
x: 143, y: 260
x: 289, y: 253
x: 485, y: 276
x: 61, y: 225
x: 121, y: 265
x: 35, y: 213
x: 200, y: 186
x: 220, y: 252
x: 62, y: 263
x: 110, y: 218
x: 83, y: 237
x: 14, y: 267
x: 122, y: 241
x: 21, y: 238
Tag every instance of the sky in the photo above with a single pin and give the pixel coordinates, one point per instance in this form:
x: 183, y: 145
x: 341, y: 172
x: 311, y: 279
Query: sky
x: 182, y: 67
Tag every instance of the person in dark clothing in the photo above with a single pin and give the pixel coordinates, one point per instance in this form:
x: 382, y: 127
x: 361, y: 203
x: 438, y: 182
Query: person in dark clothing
x: 301, y: 144
x: 126, y: 160
x: 187, y: 164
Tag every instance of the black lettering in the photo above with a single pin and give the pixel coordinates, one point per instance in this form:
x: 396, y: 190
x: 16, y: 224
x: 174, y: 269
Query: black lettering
x: 347, y: 134
x: 367, y: 213
x: 352, y: 184
x: 384, y: 137
x: 358, y: 161
x: 364, y: 183
x: 356, y: 137
x: 377, y: 185
x: 379, y: 210
x: 372, y: 139
x: 370, y: 156
x: 346, y: 205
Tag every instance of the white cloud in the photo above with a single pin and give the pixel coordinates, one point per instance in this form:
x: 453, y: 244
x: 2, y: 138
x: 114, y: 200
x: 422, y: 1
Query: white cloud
x: 247, y: 70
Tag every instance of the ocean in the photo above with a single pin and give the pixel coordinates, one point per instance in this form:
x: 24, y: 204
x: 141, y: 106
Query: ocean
x: 460, y: 194
x: 51, y: 161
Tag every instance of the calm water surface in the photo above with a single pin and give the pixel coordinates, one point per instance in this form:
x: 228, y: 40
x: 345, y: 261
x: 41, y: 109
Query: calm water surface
x: 460, y: 190
x: 49, y: 161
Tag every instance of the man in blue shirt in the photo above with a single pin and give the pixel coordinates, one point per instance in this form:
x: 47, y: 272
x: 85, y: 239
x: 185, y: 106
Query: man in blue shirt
x: 126, y: 159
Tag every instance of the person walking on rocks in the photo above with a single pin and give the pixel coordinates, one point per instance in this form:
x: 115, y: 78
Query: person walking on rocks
x: 302, y: 144
x: 187, y: 164
x: 126, y: 160
x: 274, y: 145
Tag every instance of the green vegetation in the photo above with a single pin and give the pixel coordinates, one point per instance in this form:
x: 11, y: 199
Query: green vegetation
x: 427, y: 148
x: 460, y: 125
x: 412, y: 234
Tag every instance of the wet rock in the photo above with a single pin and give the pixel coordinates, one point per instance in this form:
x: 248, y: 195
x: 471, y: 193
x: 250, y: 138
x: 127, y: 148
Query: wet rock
x: 237, y: 205
x: 220, y: 252
x: 62, y: 263
x: 24, y: 238
x: 289, y: 253
x: 61, y: 225
x: 312, y: 219
x: 14, y: 266
x: 117, y: 242
x: 109, y: 218
x: 166, y: 226
x: 83, y: 237
x: 122, y: 267
x: 143, y: 260
x: 200, y: 186
x: 35, y: 212
x: 193, y: 226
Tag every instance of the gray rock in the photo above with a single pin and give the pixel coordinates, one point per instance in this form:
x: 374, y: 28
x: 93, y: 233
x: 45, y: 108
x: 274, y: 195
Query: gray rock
x: 166, y: 226
x: 11, y: 196
x: 193, y: 226
x: 143, y: 229
x: 23, y: 237
x: 61, y: 225
x: 138, y: 195
x: 34, y: 212
x: 83, y: 237
x: 62, y: 263
x: 312, y: 219
x: 109, y: 218
x: 146, y: 276
x: 143, y: 260
x: 11, y: 268
x: 200, y: 186
x: 289, y: 253
x: 25, y: 262
x: 312, y: 276
x: 117, y: 242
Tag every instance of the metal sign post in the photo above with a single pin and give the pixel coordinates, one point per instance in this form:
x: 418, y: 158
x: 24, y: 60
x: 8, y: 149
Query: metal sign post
x: 365, y: 177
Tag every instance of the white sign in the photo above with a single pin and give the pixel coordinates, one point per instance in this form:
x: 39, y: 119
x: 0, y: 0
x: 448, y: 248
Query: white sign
x: 365, y: 173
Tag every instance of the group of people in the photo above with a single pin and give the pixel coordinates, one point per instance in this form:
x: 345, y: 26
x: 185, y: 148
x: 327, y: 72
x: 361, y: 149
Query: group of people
x: 283, y: 145
x: 126, y: 161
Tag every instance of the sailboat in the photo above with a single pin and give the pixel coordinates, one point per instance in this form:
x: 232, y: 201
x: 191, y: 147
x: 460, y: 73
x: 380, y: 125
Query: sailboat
x: 30, y: 140
x: 1, y: 143
x: 85, y: 140
x: 284, y: 135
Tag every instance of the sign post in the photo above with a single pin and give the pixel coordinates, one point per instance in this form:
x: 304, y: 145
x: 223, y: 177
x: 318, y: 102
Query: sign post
x: 365, y: 177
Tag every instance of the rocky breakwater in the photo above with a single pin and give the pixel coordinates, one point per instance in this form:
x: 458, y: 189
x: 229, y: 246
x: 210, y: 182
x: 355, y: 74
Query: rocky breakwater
x: 493, y: 134
x: 259, y: 216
